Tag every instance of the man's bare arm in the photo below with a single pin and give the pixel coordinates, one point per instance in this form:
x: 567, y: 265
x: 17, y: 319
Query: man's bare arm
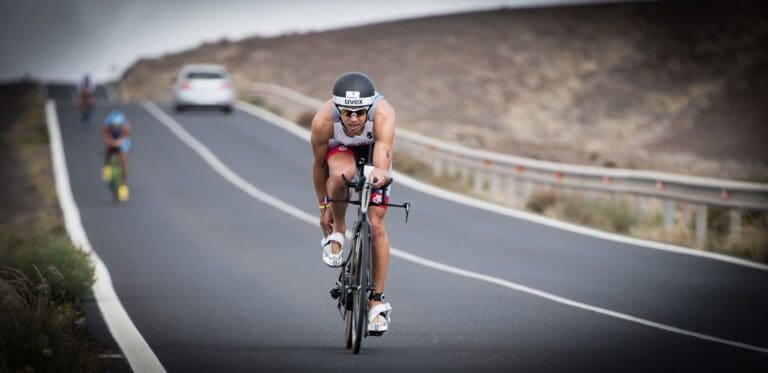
x: 320, y: 134
x: 384, y: 131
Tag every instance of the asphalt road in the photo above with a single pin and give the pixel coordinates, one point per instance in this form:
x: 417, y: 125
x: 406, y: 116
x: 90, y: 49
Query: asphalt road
x: 216, y: 280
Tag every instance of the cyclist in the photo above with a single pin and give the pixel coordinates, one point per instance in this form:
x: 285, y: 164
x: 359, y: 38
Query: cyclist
x: 86, y: 93
x: 342, y: 129
x: 116, y: 130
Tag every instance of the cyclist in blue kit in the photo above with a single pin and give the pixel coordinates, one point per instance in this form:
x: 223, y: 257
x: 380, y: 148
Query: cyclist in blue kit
x: 116, y: 130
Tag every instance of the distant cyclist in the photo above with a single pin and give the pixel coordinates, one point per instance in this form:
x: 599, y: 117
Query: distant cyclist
x: 356, y: 116
x: 86, y: 93
x: 116, y: 130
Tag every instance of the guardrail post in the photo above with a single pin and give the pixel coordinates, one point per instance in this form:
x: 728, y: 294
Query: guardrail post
x: 494, y: 185
x: 511, y: 190
x: 701, y: 225
x: 478, y: 181
x: 464, y: 174
x: 437, y: 166
x: 527, y: 191
x: 450, y: 167
x: 734, y: 228
x: 669, y: 214
x: 640, y: 207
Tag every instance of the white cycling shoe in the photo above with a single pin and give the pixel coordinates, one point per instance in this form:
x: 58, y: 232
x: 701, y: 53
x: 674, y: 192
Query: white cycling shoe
x: 378, y: 325
x: 329, y: 258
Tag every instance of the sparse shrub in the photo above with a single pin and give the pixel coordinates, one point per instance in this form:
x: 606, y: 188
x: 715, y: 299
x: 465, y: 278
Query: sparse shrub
x: 262, y: 103
x: 37, y: 333
x: 65, y: 269
x: 653, y: 229
x: 718, y: 220
x: 256, y: 100
x: 541, y: 201
x: 411, y: 165
x: 613, y: 215
x: 753, y: 240
x: 42, y: 278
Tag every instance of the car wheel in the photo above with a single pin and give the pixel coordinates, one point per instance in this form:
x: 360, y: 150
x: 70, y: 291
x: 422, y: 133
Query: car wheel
x: 179, y: 108
x: 227, y: 109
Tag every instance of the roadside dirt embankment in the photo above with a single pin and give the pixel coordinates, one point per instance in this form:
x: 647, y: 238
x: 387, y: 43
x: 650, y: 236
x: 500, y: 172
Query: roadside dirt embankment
x: 671, y: 86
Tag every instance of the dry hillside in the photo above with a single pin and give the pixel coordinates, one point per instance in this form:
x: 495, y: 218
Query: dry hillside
x: 675, y: 86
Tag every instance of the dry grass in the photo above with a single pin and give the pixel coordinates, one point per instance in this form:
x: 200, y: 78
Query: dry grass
x: 617, y: 214
x: 262, y: 103
x: 39, y: 332
x: 25, y: 158
x: 621, y: 215
x: 42, y: 276
x: 609, y: 214
x: 753, y: 240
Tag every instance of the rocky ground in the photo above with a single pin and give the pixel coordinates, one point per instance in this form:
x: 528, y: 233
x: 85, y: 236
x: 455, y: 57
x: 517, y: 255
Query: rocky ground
x: 672, y: 86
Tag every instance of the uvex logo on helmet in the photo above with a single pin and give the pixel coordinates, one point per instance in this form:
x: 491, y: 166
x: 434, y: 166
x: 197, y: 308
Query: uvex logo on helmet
x: 353, y: 89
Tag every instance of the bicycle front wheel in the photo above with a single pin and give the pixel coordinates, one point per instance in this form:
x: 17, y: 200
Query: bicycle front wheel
x: 117, y: 176
x: 361, y: 279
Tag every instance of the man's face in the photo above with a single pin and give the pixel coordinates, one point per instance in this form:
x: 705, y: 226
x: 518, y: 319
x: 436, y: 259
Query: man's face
x: 354, y: 119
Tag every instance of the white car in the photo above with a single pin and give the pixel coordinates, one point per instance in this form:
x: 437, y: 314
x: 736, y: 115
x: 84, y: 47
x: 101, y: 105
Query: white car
x: 203, y: 86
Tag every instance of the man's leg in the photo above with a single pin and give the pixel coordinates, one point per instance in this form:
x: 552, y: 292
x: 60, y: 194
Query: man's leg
x: 339, y: 164
x: 123, y: 159
x: 106, y: 169
x: 380, y: 250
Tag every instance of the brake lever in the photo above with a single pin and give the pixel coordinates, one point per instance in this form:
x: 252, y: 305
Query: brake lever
x: 407, y: 207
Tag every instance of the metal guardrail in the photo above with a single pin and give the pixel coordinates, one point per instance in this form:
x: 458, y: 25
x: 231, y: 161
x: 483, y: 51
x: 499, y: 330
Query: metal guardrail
x: 511, y: 179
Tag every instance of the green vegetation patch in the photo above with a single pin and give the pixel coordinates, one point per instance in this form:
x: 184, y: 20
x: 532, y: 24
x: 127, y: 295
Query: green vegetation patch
x: 63, y: 268
x: 41, y: 328
x: 43, y: 276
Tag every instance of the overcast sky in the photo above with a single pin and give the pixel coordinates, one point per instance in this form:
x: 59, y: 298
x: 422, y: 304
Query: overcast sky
x: 64, y: 39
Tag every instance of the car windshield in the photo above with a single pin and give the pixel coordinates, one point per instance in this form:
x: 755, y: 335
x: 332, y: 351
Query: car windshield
x: 205, y: 75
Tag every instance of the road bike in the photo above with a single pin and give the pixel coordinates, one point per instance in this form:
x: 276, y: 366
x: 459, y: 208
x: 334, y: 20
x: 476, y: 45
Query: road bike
x: 354, y: 285
x: 86, y: 105
x: 117, y: 173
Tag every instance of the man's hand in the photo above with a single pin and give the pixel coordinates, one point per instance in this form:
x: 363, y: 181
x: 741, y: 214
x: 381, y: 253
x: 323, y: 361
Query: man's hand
x: 378, y: 177
x: 326, y: 221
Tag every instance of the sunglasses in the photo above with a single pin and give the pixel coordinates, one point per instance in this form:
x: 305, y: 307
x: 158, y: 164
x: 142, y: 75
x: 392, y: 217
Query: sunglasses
x: 347, y: 112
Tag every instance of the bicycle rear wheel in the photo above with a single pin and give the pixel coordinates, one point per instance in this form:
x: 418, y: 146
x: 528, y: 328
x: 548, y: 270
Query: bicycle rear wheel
x: 360, y: 278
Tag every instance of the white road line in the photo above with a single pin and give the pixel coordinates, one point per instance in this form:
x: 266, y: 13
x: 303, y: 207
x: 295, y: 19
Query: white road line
x: 488, y: 206
x: 249, y: 189
x: 134, y: 347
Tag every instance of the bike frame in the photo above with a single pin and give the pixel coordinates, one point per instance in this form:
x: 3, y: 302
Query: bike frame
x: 117, y: 172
